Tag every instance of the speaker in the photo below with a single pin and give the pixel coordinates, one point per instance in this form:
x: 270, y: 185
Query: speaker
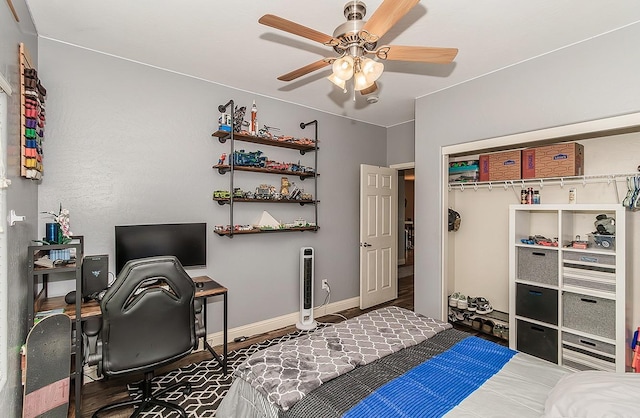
x: 95, y: 274
x: 306, y: 289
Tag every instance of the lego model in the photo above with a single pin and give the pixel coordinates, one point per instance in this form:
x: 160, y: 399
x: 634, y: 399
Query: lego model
x: 284, y: 186
x: 249, y: 159
x: 221, y: 194
x: 540, y: 240
x: 605, y: 234
x: 265, y: 191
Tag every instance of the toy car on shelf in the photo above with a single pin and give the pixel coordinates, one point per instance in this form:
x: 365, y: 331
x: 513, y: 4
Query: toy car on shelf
x: 249, y: 159
x: 607, y: 242
x: 221, y: 194
x: 540, y: 240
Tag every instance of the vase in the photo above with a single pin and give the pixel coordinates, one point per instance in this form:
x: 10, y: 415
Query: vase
x: 52, y: 233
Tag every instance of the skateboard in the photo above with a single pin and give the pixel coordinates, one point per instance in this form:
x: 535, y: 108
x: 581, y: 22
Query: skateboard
x: 47, y: 366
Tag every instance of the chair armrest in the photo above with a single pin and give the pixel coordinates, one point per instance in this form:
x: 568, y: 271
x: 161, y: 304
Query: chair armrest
x: 92, y: 344
x: 201, y: 330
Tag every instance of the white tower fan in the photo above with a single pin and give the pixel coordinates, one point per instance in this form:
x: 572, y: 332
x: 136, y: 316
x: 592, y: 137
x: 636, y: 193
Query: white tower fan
x: 306, y: 321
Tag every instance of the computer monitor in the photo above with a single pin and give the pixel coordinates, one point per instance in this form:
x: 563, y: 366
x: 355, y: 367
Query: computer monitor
x: 186, y: 241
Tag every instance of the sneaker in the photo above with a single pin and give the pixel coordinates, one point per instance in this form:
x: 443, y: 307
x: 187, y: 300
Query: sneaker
x: 462, y: 302
x: 453, y: 300
x: 484, y: 307
x: 472, y: 304
x: 455, y: 316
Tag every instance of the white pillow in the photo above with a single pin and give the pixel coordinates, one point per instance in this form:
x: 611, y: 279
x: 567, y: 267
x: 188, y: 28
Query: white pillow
x: 595, y: 394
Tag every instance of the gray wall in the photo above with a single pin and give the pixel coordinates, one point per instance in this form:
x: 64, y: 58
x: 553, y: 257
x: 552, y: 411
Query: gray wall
x: 591, y: 80
x: 400, y: 149
x: 400, y: 143
x: 22, y: 197
x: 132, y: 144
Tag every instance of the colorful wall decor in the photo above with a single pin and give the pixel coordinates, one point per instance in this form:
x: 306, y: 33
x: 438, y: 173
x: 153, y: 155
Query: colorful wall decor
x: 32, y: 118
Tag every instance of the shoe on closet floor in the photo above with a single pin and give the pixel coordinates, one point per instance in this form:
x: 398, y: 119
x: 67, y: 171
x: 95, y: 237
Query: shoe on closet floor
x: 472, y: 304
x: 453, y: 300
x: 484, y: 307
x: 462, y: 302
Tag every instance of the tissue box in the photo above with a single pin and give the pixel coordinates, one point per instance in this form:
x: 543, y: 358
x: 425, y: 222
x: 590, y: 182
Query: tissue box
x: 500, y: 166
x: 558, y: 160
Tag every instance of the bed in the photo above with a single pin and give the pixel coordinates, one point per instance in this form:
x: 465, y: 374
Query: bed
x: 392, y: 362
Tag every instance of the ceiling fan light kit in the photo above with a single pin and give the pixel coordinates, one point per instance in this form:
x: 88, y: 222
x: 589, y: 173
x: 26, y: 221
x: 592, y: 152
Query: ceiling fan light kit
x: 355, y: 39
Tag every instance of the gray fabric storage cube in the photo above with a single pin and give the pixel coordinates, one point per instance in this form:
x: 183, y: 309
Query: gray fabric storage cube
x: 590, y: 314
x: 590, y: 258
x: 588, y: 343
x: 538, y: 265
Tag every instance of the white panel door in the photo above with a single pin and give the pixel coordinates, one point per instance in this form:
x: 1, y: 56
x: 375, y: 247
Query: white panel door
x: 378, y: 235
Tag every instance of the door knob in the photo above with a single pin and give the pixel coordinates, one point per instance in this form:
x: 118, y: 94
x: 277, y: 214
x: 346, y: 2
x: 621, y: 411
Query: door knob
x: 364, y: 244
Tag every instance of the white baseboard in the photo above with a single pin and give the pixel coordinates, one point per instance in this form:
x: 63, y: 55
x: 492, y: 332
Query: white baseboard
x: 280, y: 321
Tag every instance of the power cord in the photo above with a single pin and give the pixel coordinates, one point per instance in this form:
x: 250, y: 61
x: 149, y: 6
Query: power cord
x: 327, y: 299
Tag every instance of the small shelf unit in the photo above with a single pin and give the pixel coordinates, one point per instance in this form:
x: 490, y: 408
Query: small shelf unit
x: 567, y: 305
x: 39, y: 300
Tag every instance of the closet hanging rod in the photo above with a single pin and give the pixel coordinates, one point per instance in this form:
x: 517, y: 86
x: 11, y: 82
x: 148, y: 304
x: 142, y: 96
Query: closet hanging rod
x: 551, y: 181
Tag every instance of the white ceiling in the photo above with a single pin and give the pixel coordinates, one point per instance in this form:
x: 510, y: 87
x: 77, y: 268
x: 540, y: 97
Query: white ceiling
x: 223, y: 42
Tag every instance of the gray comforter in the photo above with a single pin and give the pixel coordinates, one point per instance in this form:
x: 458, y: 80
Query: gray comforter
x: 287, y: 372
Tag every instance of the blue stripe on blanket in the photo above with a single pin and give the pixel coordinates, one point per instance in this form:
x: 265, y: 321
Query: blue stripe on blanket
x: 436, y: 386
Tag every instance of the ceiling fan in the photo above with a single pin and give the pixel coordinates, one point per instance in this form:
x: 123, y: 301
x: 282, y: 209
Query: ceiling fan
x: 357, y: 38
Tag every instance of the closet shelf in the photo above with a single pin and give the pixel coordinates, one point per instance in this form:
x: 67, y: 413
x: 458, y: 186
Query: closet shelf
x: 541, y: 182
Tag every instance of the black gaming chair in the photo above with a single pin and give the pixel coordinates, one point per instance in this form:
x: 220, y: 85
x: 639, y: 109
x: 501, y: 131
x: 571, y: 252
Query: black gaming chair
x: 148, y: 321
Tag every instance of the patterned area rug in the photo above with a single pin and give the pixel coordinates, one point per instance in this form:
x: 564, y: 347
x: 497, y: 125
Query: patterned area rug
x: 208, y: 385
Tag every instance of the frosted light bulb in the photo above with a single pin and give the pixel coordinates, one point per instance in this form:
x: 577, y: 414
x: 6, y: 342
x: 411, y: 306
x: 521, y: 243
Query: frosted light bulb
x: 343, y: 67
x: 360, y: 81
x: 337, y: 81
x: 372, y: 69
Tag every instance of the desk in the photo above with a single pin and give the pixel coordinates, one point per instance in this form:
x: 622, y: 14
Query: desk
x: 212, y: 288
x: 91, y: 309
x: 208, y: 289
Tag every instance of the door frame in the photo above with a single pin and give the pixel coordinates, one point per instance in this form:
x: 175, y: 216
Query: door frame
x: 5, y: 92
x: 400, y: 167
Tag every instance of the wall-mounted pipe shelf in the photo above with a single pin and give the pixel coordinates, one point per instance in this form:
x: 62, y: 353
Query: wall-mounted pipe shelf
x: 303, y: 145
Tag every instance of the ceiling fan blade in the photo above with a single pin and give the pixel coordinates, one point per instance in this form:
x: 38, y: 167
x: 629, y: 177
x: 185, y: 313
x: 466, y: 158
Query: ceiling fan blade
x: 297, y: 29
x: 304, y: 70
x: 372, y: 88
x: 417, y: 54
x: 387, y: 15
